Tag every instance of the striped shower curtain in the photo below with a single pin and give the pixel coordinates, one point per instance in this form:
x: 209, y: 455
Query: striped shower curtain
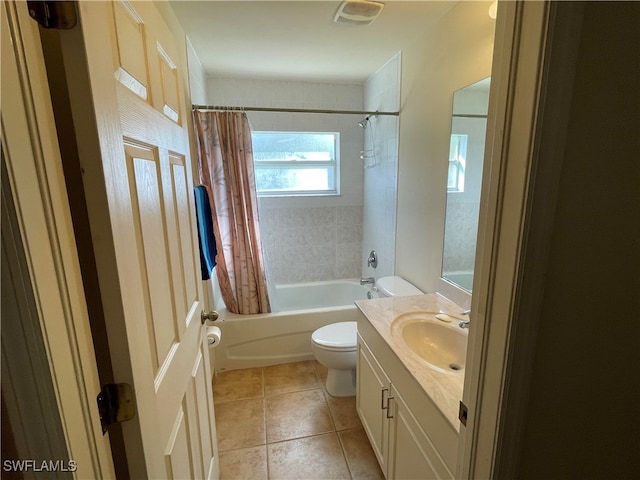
x: 225, y: 165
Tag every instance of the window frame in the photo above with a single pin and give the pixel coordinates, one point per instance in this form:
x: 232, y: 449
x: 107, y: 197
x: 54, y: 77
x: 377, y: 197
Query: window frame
x: 457, y: 162
x: 302, y: 165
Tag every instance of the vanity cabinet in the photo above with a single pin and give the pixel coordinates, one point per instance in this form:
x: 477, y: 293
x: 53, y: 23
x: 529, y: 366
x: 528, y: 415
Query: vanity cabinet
x: 411, y: 454
x: 372, y: 386
x: 400, y: 441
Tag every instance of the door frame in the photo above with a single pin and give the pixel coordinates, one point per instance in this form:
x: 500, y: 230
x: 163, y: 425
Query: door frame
x: 535, y: 52
x: 34, y: 170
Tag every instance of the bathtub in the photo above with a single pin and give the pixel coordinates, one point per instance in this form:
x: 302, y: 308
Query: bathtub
x: 457, y: 288
x: 285, y: 335
x: 463, y: 279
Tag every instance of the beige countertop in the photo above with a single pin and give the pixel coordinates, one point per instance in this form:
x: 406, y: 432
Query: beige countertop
x: 444, y: 388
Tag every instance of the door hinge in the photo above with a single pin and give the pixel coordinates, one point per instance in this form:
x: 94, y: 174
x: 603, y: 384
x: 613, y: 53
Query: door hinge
x: 57, y: 14
x: 115, y: 404
x: 462, y: 413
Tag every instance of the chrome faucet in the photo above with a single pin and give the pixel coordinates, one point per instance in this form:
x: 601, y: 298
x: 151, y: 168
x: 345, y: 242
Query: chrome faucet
x: 372, y: 261
x: 367, y: 281
x: 464, y: 323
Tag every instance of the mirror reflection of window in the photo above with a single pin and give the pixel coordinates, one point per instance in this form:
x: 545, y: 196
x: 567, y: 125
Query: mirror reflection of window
x: 457, y: 160
x: 464, y: 183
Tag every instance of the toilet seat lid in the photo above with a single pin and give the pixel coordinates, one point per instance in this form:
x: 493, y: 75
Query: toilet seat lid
x: 341, y: 335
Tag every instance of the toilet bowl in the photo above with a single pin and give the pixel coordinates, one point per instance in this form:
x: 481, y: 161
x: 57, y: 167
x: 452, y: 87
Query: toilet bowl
x: 334, y: 346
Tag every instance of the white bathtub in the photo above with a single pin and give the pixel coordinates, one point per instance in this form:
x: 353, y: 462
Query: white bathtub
x: 285, y: 336
x: 463, y: 279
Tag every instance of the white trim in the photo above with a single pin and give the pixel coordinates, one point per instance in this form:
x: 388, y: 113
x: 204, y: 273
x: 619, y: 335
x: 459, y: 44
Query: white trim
x: 534, y: 64
x: 547, y: 152
x: 35, y: 172
x: 511, y: 110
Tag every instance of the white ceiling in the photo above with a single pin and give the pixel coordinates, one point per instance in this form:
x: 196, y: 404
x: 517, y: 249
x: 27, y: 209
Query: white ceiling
x: 298, y: 40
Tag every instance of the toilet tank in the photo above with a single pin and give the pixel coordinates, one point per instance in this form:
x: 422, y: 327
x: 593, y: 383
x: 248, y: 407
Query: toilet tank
x: 396, y: 287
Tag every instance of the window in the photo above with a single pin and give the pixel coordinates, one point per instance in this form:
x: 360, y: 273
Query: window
x: 296, y: 163
x: 457, y: 162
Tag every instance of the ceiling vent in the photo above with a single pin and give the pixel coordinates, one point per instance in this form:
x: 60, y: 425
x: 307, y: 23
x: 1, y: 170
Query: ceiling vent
x: 358, y: 12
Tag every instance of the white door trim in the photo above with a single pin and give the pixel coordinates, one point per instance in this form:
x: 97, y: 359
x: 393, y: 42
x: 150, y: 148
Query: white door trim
x: 534, y: 66
x: 37, y: 185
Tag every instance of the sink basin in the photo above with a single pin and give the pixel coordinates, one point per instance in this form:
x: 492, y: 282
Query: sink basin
x: 442, y: 346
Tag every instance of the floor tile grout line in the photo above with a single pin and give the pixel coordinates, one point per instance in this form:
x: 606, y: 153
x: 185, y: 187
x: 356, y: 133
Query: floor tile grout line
x: 333, y: 417
x: 326, y: 402
x: 223, y: 402
x: 267, y: 442
x: 266, y: 433
x: 305, y: 389
x: 305, y: 436
x: 242, y: 448
x: 328, y: 410
x: 344, y: 455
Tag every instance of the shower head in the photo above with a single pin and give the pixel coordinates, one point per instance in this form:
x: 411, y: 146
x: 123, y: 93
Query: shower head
x: 364, y: 122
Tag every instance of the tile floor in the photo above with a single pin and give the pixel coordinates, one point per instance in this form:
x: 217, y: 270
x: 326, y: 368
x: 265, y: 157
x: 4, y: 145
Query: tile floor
x: 280, y: 423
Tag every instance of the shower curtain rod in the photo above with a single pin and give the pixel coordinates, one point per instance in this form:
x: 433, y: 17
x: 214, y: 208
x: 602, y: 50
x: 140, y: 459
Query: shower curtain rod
x: 292, y: 110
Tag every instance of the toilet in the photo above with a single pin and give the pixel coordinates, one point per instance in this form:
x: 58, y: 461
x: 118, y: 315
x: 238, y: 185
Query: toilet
x: 335, y: 345
x: 396, y: 287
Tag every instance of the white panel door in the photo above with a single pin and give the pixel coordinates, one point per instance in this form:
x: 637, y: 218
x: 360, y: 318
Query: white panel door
x: 140, y: 191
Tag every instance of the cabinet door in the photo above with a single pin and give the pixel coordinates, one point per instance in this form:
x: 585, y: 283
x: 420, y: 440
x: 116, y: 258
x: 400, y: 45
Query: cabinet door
x: 372, y: 393
x: 411, y: 453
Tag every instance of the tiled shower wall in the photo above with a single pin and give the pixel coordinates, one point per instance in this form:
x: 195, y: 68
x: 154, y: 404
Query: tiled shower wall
x: 310, y: 244
x: 382, y: 93
x: 313, y: 238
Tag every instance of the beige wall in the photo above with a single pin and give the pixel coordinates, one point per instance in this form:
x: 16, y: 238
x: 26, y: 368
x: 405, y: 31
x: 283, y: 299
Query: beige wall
x: 456, y: 52
x: 582, y: 419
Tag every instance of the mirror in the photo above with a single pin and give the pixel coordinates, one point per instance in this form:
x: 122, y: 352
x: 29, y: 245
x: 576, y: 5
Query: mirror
x: 466, y: 158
